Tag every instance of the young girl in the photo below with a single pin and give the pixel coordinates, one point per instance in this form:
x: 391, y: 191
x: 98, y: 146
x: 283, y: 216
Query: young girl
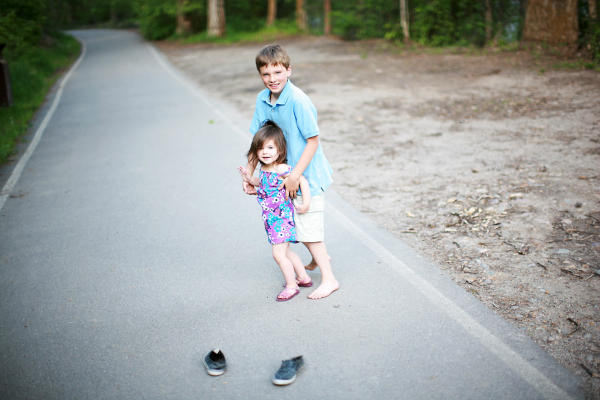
x: 269, y: 149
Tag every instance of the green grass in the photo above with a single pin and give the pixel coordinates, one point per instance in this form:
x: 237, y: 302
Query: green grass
x: 33, y: 72
x: 577, y: 65
x: 278, y: 31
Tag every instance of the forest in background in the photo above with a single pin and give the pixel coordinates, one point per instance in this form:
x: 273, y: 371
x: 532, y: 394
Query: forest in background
x: 426, y: 22
x: 35, y: 47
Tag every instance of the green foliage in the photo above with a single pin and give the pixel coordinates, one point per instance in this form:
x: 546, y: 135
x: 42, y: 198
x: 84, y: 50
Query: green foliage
x: 363, y: 19
x: 33, y: 70
x: 444, y: 22
x: 157, y: 18
x: 21, y: 23
x: 279, y: 30
x: 593, y: 40
x: 589, y: 32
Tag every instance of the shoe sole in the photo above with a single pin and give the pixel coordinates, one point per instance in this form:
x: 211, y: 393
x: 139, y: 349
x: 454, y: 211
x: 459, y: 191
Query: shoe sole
x: 283, y: 382
x: 213, y: 372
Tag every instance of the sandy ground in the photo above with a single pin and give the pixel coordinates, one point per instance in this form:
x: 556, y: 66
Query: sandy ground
x: 489, y: 165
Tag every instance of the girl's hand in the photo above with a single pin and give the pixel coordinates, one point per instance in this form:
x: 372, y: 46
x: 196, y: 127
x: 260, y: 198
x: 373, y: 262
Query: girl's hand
x: 248, y: 182
x: 302, y: 208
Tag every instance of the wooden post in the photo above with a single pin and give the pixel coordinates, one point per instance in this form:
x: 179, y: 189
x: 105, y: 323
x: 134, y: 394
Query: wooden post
x: 404, y: 19
x: 488, y: 21
x: 593, y: 10
x: 6, y: 98
x: 271, y: 12
x: 216, y: 18
x: 300, y: 15
x: 327, y: 17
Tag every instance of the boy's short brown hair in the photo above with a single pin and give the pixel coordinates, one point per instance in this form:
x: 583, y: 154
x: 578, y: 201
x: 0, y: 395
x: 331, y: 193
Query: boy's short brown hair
x: 272, y: 54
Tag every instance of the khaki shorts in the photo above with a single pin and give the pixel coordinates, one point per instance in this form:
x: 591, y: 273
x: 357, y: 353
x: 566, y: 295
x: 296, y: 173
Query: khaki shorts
x: 310, y: 225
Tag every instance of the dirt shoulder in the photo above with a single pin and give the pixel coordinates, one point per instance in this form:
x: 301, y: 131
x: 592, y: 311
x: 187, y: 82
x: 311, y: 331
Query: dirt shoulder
x: 489, y: 165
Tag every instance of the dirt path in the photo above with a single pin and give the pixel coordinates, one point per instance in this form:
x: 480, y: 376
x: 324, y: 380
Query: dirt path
x: 487, y: 164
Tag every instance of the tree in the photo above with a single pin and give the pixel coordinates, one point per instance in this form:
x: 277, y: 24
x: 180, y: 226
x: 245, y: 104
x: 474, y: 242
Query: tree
x: 404, y: 19
x: 300, y: 15
x: 488, y: 21
x: 271, y: 12
x: 593, y: 10
x: 551, y: 21
x: 327, y: 17
x: 216, y: 18
x: 184, y: 26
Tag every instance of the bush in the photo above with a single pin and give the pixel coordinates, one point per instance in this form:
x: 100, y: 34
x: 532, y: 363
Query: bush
x: 32, y: 71
x: 157, y: 19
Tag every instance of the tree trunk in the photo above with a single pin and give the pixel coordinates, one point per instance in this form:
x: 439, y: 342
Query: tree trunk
x: 488, y: 21
x: 300, y: 15
x: 271, y: 12
x: 113, y: 12
x: 327, y: 15
x: 184, y: 26
x: 216, y: 18
x: 404, y: 19
x: 593, y: 10
x: 551, y: 21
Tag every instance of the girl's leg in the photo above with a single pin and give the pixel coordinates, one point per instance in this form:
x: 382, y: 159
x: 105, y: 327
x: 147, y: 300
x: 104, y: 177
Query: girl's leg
x: 301, y: 274
x: 328, y: 282
x: 287, y: 269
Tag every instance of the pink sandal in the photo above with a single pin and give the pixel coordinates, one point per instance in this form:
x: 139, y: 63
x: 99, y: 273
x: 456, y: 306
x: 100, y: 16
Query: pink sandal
x: 287, y: 293
x: 307, y: 283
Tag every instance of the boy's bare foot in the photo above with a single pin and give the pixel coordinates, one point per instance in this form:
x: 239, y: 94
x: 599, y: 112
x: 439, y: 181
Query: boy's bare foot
x: 311, y: 265
x: 324, y: 290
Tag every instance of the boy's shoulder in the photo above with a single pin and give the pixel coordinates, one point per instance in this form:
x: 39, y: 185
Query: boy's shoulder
x: 297, y: 95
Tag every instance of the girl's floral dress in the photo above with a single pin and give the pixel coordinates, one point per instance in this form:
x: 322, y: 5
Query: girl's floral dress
x: 277, y: 211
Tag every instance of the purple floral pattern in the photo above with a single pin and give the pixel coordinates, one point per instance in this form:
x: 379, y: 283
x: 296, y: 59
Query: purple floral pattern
x: 277, y: 211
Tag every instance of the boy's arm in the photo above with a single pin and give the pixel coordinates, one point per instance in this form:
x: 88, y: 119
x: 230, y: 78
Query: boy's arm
x: 305, y: 188
x: 292, y: 182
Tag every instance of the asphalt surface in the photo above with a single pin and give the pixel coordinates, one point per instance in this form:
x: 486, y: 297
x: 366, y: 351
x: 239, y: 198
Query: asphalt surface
x: 128, y: 251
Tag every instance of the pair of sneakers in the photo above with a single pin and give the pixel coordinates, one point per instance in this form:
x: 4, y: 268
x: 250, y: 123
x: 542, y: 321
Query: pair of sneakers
x: 216, y: 365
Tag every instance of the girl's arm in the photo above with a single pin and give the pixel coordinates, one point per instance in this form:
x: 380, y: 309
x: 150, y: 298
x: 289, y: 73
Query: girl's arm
x: 305, y: 188
x: 249, y: 180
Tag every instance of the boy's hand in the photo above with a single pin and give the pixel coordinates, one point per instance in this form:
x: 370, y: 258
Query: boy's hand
x: 291, y: 183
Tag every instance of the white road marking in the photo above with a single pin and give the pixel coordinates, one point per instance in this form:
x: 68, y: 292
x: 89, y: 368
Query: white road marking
x: 18, y: 170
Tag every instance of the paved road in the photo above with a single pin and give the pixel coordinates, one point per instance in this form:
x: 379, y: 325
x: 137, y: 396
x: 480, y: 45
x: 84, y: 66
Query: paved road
x: 127, y: 251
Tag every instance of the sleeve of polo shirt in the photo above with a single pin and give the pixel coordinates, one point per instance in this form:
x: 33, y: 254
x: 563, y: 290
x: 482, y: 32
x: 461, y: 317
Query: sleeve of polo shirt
x: 306, y: 118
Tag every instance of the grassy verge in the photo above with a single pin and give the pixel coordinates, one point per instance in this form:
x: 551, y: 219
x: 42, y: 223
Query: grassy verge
x: 278, y: 31
x: 32, y: 72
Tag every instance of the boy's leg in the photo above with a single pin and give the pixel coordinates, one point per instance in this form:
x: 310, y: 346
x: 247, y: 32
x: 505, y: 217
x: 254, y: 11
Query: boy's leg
x: 313, y: 264
x: 287, y: 269
x: 301, y: 275
x: 328, y: 282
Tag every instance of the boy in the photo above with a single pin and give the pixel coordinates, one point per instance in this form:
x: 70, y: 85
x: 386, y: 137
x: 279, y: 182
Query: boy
x: 291, y: 109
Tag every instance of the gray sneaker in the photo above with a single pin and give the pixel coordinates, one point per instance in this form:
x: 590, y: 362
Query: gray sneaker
x: 286, y: 374
x: 215, y: 363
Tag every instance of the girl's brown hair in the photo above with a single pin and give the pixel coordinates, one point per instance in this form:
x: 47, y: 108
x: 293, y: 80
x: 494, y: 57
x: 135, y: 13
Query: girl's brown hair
x: 269, y: 131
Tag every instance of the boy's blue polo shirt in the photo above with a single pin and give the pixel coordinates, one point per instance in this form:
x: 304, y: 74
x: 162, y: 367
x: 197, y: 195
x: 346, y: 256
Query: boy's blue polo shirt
x: 297, y: 117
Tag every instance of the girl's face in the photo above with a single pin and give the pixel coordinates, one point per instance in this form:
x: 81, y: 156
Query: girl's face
x: 269, y: 153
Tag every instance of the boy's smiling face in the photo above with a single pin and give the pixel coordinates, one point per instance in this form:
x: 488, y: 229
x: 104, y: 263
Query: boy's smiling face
x: 275, y: 77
